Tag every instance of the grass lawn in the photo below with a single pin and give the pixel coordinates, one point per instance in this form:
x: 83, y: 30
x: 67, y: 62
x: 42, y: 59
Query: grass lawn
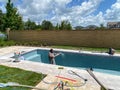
x: 85, y: 48
x: 8, y: 74
x: 81, y: 48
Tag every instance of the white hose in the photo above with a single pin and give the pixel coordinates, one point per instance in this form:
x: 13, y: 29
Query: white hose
x: 13, y: 84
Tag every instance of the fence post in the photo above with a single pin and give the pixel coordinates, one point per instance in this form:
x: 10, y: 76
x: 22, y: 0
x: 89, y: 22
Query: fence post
x: 8, y: 32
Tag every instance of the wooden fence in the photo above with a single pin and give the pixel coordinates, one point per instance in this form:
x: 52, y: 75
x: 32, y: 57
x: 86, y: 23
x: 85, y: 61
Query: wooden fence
x: 87, y: 38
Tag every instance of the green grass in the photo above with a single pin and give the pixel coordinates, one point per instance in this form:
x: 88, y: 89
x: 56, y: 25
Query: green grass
x: 8, y: 74
x: 81, y: 48
x: 85, y: 48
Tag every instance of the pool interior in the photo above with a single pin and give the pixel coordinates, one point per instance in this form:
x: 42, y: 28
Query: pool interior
x: 100, y: 63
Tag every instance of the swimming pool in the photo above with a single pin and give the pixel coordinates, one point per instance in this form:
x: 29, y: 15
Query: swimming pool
x: 102, y: 63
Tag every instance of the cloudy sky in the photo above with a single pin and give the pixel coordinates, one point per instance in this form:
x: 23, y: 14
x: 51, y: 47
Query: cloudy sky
x: 78, y: 12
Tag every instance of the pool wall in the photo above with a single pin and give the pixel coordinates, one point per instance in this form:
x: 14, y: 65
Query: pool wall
x: 77, y: 59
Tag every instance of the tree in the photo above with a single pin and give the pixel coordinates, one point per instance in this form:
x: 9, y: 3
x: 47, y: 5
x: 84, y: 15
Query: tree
x: 38, y: 27
x: 102, y: 26
x: 57, y: 27
x: 46, y: 25
x: 69, y: 27
x: 1, y: 21
x: 12, y: 18
x: 65, y: 25
x: 29, y: 25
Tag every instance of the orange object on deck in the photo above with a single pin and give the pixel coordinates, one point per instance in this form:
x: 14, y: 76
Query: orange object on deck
x: 66, y: 78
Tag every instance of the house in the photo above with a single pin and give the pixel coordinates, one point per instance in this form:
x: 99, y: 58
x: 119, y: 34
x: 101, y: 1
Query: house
x: 113, y: 25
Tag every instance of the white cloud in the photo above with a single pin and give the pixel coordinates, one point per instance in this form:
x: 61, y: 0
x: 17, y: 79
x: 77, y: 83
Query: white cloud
x: 3, y: 0
x: 113, y: 14
x: 79, y: 14
x: 40, y: 10
x: 56, y: 10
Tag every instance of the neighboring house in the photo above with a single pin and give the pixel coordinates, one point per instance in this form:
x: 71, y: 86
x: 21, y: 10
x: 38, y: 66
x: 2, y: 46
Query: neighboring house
x: 91, y: 27
x: 78, y: 27
x: 113, y: 25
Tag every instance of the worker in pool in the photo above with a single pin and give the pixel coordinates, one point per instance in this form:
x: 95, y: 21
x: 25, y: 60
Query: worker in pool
x: 52, y: 56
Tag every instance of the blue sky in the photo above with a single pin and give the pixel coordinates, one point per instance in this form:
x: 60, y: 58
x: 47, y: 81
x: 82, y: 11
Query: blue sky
x: 105, y: 4
x: 78, y: 12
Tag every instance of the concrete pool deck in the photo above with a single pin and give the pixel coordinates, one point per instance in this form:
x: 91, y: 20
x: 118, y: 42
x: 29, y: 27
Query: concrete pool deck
x: 109, y: 81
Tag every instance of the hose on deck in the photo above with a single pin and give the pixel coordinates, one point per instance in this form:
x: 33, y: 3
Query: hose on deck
x: 102, y: 86
x: 13, y: 84
x: 66, y: 83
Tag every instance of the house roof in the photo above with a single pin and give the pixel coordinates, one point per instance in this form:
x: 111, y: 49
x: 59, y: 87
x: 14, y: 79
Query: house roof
x: 113, y: 23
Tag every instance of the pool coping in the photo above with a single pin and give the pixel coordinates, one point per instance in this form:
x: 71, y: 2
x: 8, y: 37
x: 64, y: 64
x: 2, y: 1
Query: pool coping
x: 104, y: 78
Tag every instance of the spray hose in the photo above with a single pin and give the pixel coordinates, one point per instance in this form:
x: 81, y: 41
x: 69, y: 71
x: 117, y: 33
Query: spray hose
x: 74, y: 73
x: 14, y: 84
x: 66, y: 83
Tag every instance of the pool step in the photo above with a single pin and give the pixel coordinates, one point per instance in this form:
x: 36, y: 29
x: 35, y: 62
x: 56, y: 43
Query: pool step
x: 33, y: 56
